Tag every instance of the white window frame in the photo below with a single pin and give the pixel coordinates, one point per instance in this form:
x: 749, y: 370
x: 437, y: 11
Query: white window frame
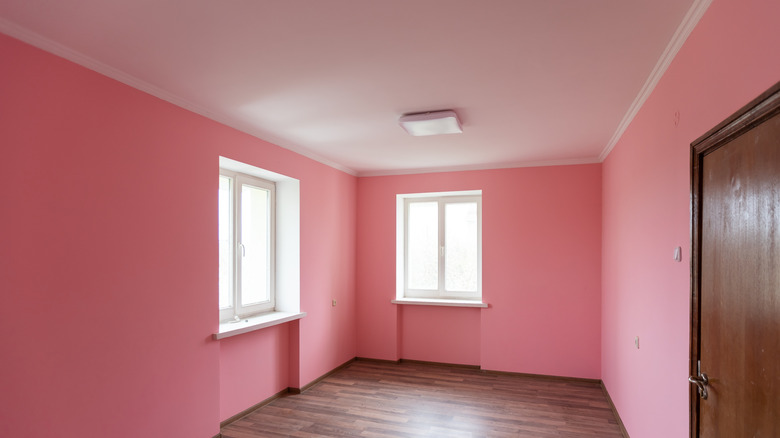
x: 287, y: 277
x: 235, y: 310
x: 402, y: 217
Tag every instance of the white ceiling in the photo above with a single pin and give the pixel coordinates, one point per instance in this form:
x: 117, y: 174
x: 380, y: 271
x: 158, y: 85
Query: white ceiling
x: 534, y: 81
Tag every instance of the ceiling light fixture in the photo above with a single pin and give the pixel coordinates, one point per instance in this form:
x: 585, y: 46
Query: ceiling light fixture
x: 431, y: 123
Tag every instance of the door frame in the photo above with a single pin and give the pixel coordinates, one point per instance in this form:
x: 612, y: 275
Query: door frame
x: 746, y: 118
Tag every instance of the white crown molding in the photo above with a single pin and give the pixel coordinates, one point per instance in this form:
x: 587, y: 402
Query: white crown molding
x: 55, y: 48
x: 567, y: 162
x: 691, y: 19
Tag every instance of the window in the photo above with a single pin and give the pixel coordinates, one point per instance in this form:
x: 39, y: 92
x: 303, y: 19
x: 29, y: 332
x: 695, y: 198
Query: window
x: 246, y: 245
x: 441, y: 244
x: 262, y: 287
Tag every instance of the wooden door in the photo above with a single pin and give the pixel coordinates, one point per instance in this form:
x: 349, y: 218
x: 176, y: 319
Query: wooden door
x: 735, y: 333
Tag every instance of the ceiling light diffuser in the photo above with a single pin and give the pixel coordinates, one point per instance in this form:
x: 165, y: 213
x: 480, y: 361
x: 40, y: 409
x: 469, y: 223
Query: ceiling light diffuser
x: 431, y: 123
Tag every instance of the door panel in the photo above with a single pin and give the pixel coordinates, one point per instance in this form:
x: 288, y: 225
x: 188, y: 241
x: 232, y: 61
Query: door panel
x: 736, y: 269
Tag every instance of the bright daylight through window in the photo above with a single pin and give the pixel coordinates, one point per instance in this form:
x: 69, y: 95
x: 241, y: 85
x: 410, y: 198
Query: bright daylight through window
x: 442, y: 246
x: 246, y: 245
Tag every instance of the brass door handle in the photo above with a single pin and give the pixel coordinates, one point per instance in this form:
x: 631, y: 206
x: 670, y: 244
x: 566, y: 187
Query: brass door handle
x: 701, y: 383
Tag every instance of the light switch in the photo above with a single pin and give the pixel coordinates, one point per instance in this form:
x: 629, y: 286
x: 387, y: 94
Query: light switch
x: 678, y: 254
x: 636, y: 342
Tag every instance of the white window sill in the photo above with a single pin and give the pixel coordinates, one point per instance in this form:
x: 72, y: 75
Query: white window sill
x: 439, y: 302
x: 252, y: 323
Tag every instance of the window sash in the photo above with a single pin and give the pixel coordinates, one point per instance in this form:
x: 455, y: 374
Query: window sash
x: 440, y: 290
x: 240, y: 277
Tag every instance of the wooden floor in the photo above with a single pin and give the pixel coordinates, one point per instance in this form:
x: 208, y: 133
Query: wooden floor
x: 372, y: 399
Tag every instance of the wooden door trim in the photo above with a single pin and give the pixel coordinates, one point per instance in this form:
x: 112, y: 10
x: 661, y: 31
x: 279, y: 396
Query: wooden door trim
x: 746, y: 118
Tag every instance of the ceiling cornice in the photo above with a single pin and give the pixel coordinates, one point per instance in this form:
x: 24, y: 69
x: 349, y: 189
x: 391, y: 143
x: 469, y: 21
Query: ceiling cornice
x: 55, y: 48
x: 697, y: 10
x: 691, y: 19
x: 570, y: 162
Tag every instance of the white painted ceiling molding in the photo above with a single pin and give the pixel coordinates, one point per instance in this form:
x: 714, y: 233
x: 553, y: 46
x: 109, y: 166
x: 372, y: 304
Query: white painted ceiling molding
x: 518, y: 165
x: 85, y: 61
x: 534, y: 84
x: 690, y: 21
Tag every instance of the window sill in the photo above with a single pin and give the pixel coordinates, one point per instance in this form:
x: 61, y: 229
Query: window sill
x: 439, y: 302
x: 252, y: 323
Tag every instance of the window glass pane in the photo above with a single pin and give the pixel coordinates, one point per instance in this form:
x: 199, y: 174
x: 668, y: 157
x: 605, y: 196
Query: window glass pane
x: 423, y: 246
x: 255, y: 287
x: 460, y: 240
x: 225, y: 244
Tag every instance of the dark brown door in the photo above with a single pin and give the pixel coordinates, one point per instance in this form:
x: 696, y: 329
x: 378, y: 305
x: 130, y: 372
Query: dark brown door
x: 736, y: 275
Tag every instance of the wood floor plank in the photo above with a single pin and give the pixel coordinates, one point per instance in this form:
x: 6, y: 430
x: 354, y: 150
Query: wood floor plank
x: 378, y: 399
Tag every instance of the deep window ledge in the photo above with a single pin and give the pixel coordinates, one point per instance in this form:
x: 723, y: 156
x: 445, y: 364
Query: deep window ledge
x: 257, y: 322
x: 440, y: 302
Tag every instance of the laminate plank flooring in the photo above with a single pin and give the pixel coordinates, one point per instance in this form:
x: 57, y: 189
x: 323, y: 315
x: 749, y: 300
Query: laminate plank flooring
x: 376, y: 399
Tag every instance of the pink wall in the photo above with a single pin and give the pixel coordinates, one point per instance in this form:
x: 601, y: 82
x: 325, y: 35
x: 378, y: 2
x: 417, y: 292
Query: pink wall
x: 109, y: 252
x: 240, y: 359
x: 541, y: 274
x: 108, y: 262
x: 444, y: 334
x: 730, y: 58
x: 328, y: 221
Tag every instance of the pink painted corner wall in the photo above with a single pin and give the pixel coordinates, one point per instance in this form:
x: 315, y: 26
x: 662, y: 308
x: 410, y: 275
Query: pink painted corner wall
x: 108, y: 262
x: 328, y: 222
x: 541, y: 273
x: 730, y: 58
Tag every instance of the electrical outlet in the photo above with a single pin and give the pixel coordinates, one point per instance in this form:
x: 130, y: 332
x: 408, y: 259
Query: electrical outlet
x: 333, y: 303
